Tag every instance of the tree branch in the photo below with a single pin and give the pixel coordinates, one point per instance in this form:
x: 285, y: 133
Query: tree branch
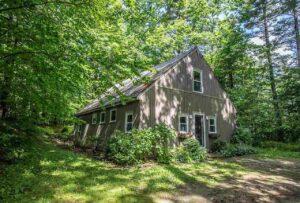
x: 40, y: 4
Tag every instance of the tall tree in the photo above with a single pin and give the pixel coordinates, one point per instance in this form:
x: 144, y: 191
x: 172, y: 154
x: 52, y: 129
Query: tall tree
x: 261, y: 18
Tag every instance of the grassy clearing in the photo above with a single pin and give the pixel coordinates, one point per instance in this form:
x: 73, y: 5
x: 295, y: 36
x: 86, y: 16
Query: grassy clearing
x: 278, y: 150
x: 51, y: 174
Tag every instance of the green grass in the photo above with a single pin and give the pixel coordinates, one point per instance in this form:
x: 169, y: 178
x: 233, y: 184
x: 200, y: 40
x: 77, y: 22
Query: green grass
x: 47, y: 173
x: 51, y: 174
x: 279, y: 150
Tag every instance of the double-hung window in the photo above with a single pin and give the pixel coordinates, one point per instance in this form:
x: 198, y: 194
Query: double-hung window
x: 197, y: 80
x: 94, y: 118
x: 183, y: 123
x: 102, y: 117
x: 212, y: 122
x: 113, y: 115
x: 128, y: 121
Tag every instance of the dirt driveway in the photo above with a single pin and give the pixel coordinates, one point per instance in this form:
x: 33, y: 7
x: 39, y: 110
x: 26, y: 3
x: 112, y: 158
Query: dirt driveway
x: 268, y: 180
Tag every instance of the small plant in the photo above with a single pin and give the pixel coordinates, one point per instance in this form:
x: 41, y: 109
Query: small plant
x: 190, y: 151
x: 231, y: 150
x: 218, y: 145
x: 243, y: 136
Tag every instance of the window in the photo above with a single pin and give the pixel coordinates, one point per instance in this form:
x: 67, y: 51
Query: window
x: 212, y: 125
x: 198, y: 86
x: 94, y: 118
x: 183, y: 124
x: 128, y: 122
x: 113, y: 115
x: 102, y: 117
x: 79, y: 128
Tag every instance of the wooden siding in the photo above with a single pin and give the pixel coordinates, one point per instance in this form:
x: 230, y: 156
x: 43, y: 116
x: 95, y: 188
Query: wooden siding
x: 105, y: 130
x: 173, y: 95
x: 168, y: 97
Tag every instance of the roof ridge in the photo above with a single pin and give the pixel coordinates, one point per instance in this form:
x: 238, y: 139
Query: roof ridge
x: 136, y: 90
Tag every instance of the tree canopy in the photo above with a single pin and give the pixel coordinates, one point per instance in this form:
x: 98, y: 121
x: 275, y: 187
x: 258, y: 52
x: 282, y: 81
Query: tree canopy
x: 58, y: 55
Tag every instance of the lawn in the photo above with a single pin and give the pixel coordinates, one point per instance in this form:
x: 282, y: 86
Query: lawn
x: 51, y: 174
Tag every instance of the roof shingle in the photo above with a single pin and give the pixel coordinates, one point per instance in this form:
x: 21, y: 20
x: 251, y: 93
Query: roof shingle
x: 134, y: 90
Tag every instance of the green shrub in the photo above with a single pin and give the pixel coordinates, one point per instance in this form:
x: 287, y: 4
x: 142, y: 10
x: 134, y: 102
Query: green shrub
x: 11, y: 146
x: 292, y: 147
x: 243, y: 136
x: 231, y: 150
x: 190, y: 150
x: 163, y: 136
x: 218, y: 145
x: 140, y: 145
x: 182, y: 155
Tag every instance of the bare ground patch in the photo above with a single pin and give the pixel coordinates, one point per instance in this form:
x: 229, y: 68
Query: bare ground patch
x: 268, y: 180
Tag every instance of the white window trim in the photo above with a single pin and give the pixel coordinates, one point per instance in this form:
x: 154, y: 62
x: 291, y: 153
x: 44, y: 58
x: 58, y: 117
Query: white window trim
x: 204, y: 124
x: 215, y: 121
x: 103, y: 112
x: 126, y: 121
x: 201, y: 80
x: 112, y: 121
x: 187, y: 123
x: 93, y: 118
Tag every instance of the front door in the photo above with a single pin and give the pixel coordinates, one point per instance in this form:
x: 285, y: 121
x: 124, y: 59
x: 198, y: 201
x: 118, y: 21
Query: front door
x: 199, y: 129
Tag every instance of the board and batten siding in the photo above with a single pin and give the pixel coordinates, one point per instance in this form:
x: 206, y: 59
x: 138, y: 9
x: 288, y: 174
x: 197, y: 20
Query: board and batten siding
x: 105, y: 130
x: 172, y: 95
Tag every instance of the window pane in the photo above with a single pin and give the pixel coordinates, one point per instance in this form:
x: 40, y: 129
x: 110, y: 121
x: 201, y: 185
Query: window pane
x: 113, y: 116
x: 211, y: 121
x: 129, y: 127
x: 102, y: 117
x: 183, y: 127
x: 197, y: 76
x: 94, y: 118
x: 183, y: 119
x: 212, y: 128
x: 197, y: 86
x: 129, y: 118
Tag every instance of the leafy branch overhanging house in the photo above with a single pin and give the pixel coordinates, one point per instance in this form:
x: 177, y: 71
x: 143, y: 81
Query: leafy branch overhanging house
x: 183, y: 93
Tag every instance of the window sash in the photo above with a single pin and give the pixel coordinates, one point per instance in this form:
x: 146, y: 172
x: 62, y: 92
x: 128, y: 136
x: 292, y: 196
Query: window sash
x: 94, y: 118
x: 197, y: 81
x: 111, y: 115
x: 212, y: 125
x: 128, y: 122
x: 183, y: 124
x: 102, y: 117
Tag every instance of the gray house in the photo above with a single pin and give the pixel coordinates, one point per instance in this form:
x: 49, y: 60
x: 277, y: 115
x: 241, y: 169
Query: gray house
x: 183, y: 93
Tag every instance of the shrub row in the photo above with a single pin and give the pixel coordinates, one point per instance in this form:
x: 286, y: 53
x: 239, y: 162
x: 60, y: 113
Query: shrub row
x: 241, y: 144
x: 152, y: 143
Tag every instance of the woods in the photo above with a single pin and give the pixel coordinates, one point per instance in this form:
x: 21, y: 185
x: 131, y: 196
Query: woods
x: 58, y: 55
x: 224, y: 128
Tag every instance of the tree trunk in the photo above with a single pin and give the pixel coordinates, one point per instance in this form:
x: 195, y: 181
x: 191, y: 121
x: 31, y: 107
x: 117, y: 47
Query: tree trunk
x: 271, y: 71
x: 231, y: 80
x: 297, y: 35
x: 6, y: 72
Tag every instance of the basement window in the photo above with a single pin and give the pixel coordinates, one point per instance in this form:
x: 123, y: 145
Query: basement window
x: 183, y: 124
x: 94, y: 118
x: 128, y: 121
x: 212, y: 122
x: 198, y: 84
x: 113, y: 115
x: 102, y: 117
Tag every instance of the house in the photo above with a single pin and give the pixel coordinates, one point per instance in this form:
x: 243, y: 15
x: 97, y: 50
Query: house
x: 183, y: 93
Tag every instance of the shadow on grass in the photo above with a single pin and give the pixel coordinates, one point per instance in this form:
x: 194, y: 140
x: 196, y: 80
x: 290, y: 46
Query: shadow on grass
x: 50, y: 174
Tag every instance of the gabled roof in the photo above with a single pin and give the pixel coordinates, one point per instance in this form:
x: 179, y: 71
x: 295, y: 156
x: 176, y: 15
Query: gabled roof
x: 132, y: 90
